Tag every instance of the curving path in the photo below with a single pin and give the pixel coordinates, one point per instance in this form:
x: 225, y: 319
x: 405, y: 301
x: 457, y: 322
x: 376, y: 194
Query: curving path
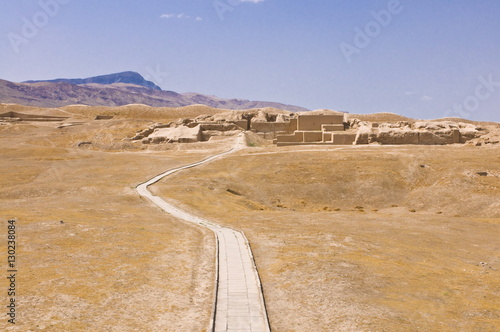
x: 239, y: 304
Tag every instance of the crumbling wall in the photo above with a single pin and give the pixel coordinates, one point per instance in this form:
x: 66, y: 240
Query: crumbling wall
x: 312, y: 136
x: 16, y: 116
x: 423, y: 133
x: 314, y: 122
x: 267, y: 127
x: 332, y: 127
x: 294, y: 138
x: 180, y: 134
x: 343, y: 138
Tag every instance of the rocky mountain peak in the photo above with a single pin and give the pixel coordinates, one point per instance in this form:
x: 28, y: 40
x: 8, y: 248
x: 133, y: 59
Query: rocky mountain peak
x: 127, y: 77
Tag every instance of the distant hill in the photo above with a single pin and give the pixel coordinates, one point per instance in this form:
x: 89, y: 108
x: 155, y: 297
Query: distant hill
x: 380, y: 117
x: 116, y: 90
x: 128, y: 77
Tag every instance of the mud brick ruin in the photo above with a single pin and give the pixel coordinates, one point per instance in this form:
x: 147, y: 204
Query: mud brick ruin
x: 318, y: 129
x: 321, y: 127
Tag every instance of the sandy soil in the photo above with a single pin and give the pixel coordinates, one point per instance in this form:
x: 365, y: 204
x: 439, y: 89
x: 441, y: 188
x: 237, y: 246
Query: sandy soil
x: 116, y: 262
x: 363, y: 239
x: 374, y: 238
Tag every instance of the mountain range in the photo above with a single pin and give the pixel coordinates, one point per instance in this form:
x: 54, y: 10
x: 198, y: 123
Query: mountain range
x: 129, y: 77
x: 116, y: 90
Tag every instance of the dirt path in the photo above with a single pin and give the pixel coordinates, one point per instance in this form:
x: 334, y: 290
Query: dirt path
x: 239, y: 301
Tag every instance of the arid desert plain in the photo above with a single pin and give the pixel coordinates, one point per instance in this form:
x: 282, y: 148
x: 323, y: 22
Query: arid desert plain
x: 345, y: 237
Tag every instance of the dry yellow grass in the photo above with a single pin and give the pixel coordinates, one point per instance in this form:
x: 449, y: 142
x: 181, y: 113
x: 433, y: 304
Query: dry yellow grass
x: 142, y: 111
x: 116, y: 263
x: 345, y: 238
x: 338, y: 245
x: 379, y: 117
x: 122, y: 112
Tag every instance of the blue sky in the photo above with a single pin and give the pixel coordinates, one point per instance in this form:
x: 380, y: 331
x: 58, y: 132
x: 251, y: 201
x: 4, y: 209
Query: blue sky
x: 420, y: 58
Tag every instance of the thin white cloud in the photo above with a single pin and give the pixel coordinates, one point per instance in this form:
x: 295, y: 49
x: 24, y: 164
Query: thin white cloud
x: 181, y: 16
x: 415, y: 94
x: 252, y: 1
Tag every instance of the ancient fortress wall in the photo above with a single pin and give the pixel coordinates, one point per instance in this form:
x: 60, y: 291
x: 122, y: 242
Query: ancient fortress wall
x: 314, y: 122
x: 311, y: 129
x: 318, y: 129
